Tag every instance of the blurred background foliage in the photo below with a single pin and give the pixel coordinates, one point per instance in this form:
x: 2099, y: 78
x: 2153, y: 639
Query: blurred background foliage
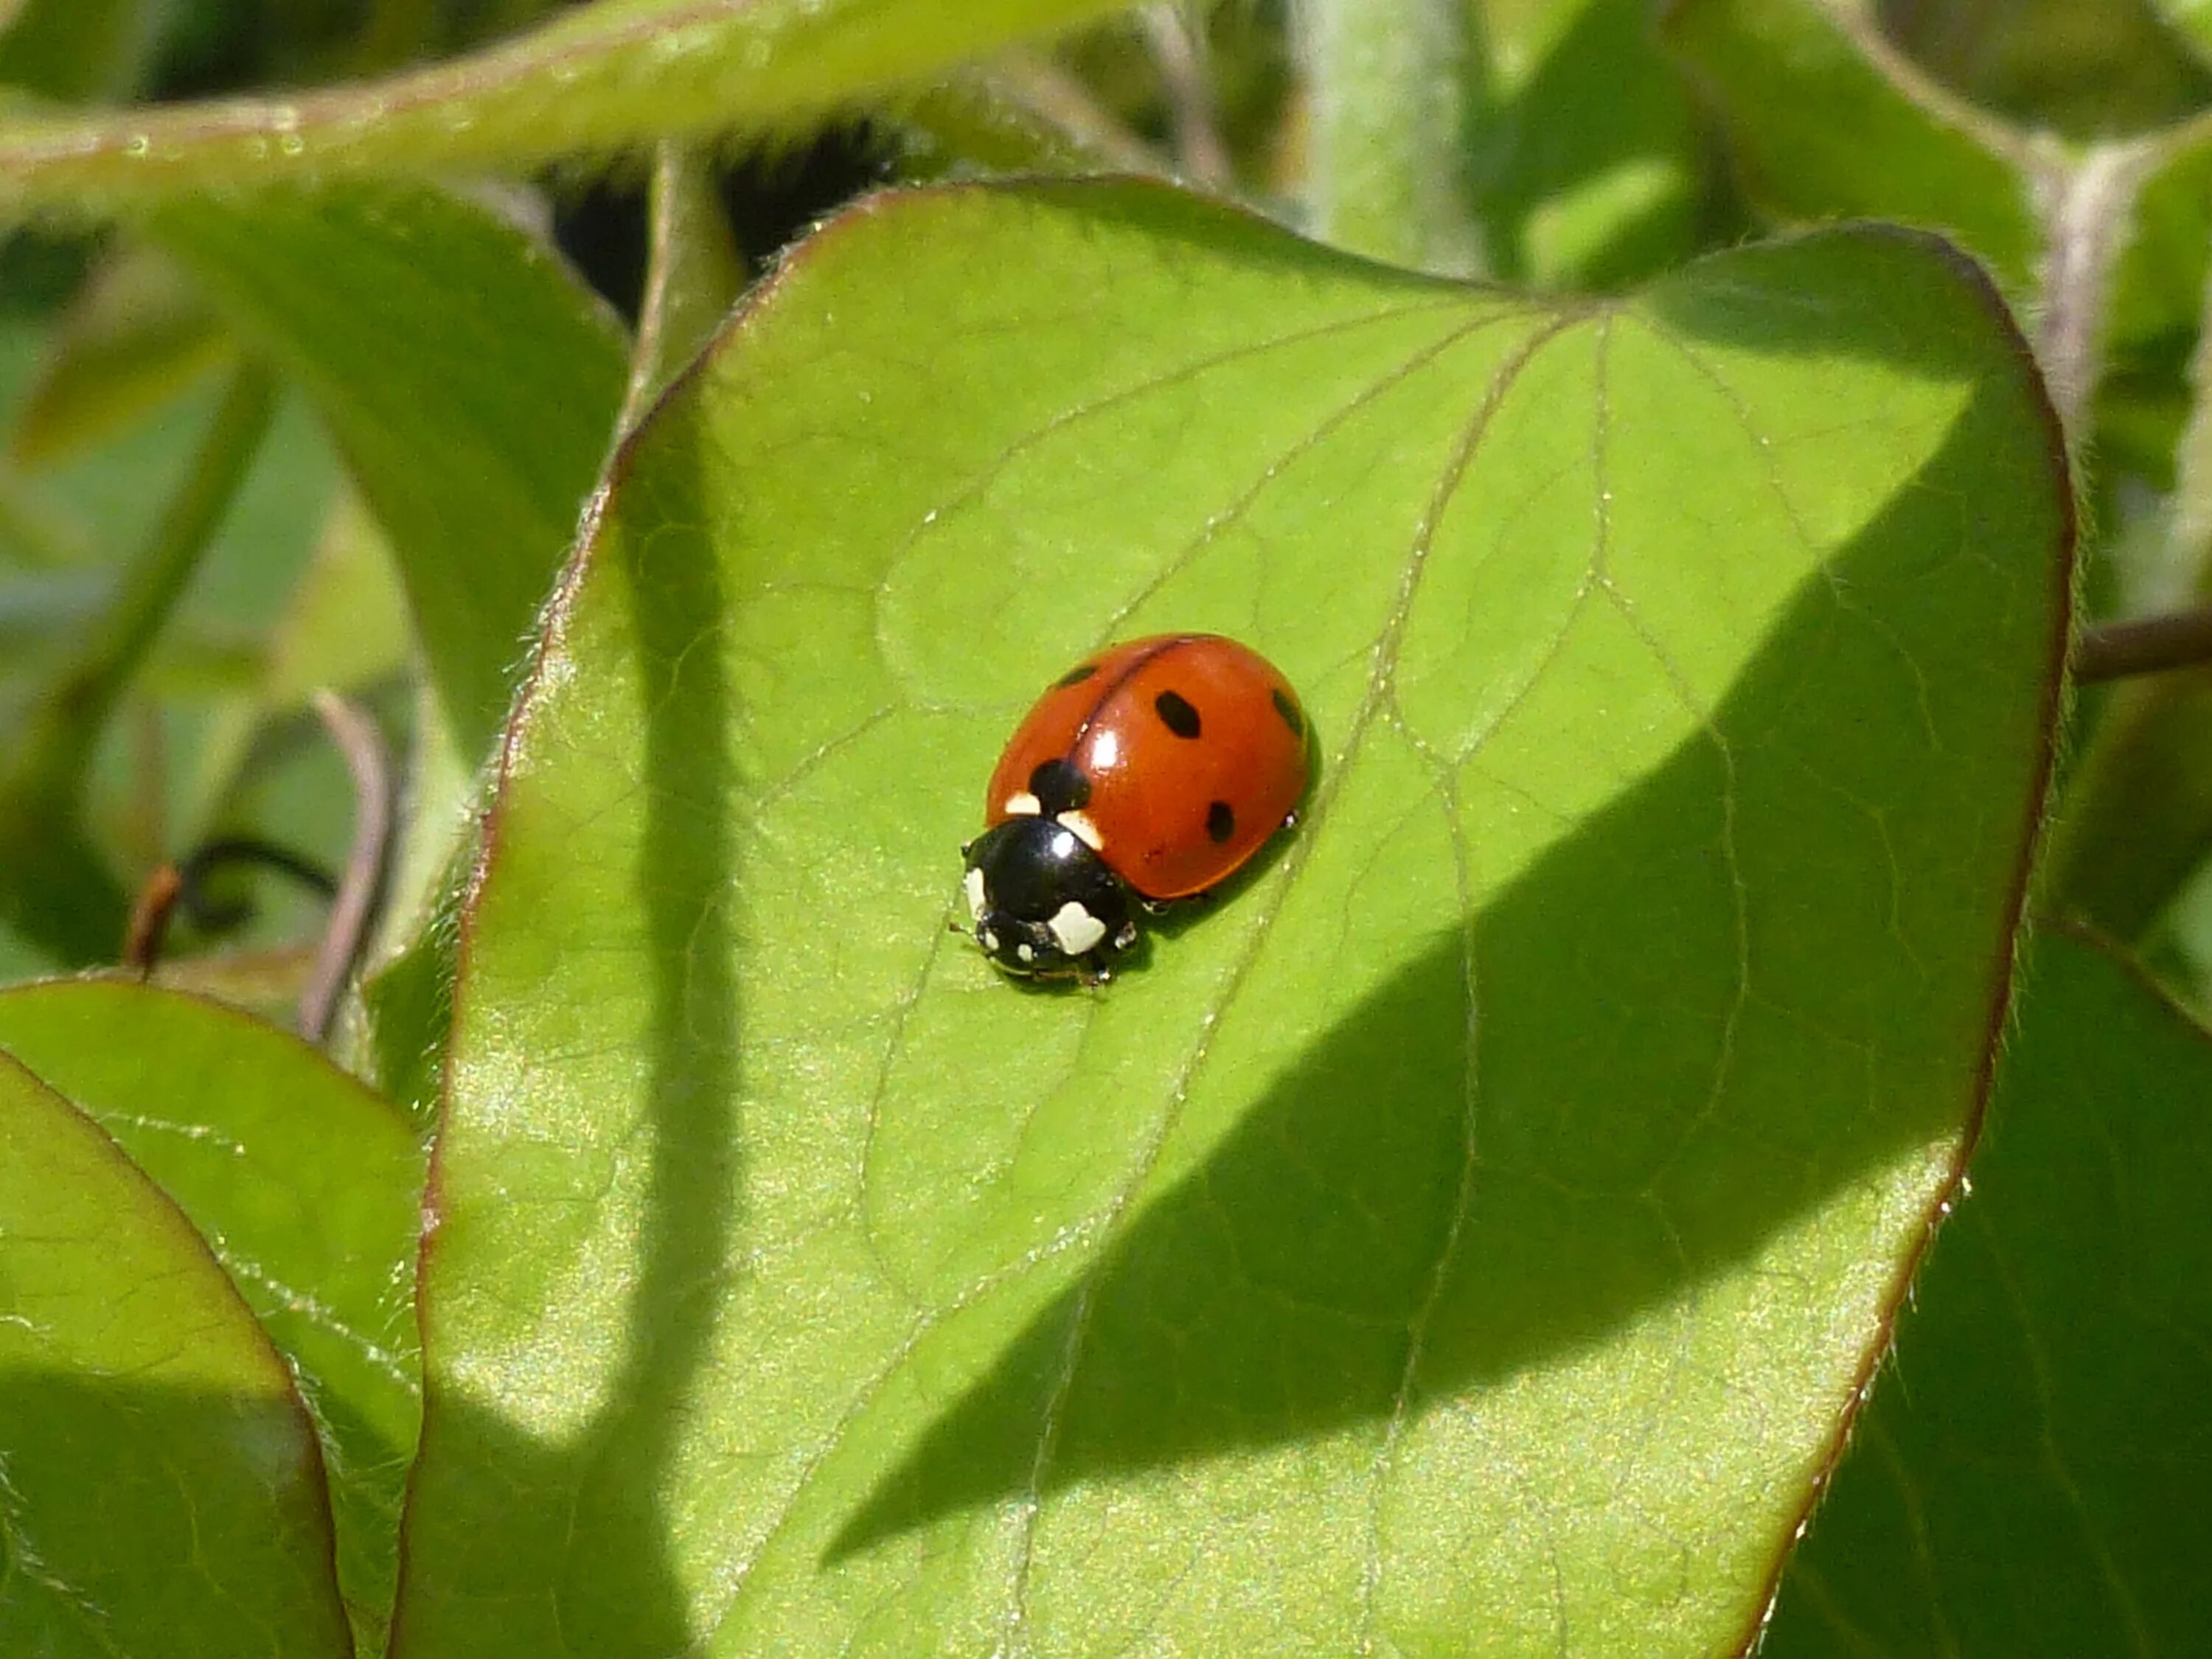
x: 1606, y: 140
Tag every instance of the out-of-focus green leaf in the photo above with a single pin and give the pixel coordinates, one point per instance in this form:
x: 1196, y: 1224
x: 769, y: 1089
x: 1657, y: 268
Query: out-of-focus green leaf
x: 2092, y: 70
x: 471, y: 380
x: 406, y: 1002
x: 78, y: 50
x: 54, y: 888
x: 2029, y: 1482
x: 344, y: 629
x: 1588, y: 168
x: 137, y: 335
x: 1021, y: 113
x: 306, y: 1187
x: 694, y: 270
x: 2136, y: 819
x: 2158, y: 288
x: 1465, y: 1234
x: 1820, y: 128
x: 164, y: 1490
x: 105, y: 499
x: 21, y: 959
x: 619, y: 72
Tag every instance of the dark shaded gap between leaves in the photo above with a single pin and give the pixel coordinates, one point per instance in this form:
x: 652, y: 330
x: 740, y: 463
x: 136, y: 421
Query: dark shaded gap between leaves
x: 1269, y: 1297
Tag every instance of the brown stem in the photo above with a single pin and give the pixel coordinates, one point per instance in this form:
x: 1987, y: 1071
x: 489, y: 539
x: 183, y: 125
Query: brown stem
x: 357, y: 737
x: 2152, y: 644
x: 1177, y: 52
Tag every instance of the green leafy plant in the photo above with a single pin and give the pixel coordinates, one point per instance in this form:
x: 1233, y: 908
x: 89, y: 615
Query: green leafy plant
x: 1700, y: 1075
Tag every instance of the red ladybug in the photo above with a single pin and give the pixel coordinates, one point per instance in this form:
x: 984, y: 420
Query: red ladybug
x: 1151, y: 771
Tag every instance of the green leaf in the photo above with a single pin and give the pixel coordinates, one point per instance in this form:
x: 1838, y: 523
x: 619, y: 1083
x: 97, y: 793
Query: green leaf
x: 619, y: 72
x: 343, y: 628
x: 306, y: 1187
x: 135, y: 335
x: 164, y: 1490
x: 694, y: 271
x: 21, y: 959
x: 2030, y: 1481
x: 1588, y: 164
x: 2136, y: 819
x: 407, y: 985
x: 1826, y: 122
x: 2089, y: 69
x: 471, y: 380
x: 1475, y: 1222
x: 78, y: 50
x: 54, y: 887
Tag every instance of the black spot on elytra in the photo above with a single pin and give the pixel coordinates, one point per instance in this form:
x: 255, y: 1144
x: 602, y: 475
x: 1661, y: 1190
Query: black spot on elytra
x: 1059, y: 787
x: 1221, y: 822
x: 1289, y: 711
x: 1075, y: 676
x: 1181, y: 718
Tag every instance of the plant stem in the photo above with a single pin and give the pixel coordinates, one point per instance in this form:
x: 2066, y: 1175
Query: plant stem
x: 2087, y: 210
x: 55, y: 887
x: 587, y: 81
x: 1178, y: 53
x: 2149, y: 645
x: 1386, y: 146
x: 353, y: 908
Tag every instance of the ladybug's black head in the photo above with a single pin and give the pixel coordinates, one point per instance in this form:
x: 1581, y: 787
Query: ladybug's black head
x: 1045, y: 906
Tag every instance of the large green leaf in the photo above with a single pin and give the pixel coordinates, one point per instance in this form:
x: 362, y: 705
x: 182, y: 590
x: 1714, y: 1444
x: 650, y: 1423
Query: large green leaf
x: 619, y: 72
x: 163, y: 1491
x: 1468, y: 1230
x: 472, y: 381
x: 305, y: 1188
x: 2030, y: 1482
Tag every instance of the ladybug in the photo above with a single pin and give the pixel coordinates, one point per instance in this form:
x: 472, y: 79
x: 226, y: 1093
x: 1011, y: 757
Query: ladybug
x: 1150, y: 772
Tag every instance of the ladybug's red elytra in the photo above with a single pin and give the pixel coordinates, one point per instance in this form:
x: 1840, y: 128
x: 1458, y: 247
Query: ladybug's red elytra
x: 1149, y: 772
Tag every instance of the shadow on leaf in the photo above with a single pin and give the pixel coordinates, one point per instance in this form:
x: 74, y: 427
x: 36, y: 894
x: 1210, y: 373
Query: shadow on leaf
x: 593, y: 1502
x: 1649, y: 1080
x: 142, y: 1518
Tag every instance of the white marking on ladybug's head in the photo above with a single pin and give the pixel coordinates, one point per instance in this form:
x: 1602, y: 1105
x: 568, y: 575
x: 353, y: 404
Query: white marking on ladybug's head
x: 978, y: 899
x: 1023, y: 804
x: 1086, y: 831
x: 986, y: 938
x: 1075, y: 930
x: 1023, y: 951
